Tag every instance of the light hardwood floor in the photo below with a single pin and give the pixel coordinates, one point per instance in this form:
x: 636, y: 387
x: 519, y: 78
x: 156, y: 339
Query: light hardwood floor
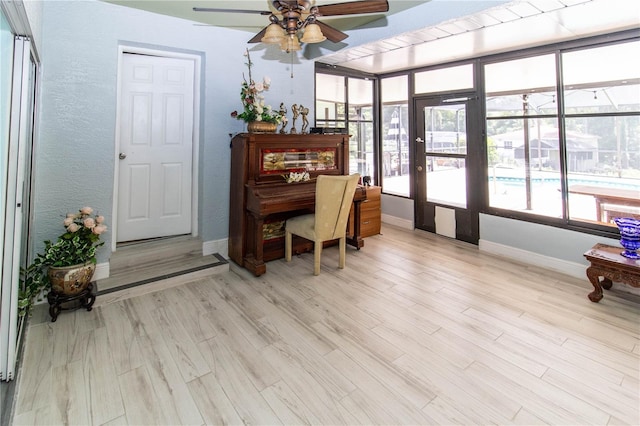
x: 418, y: 329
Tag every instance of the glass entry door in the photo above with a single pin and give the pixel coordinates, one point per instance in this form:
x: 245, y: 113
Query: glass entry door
x: 447, y: 154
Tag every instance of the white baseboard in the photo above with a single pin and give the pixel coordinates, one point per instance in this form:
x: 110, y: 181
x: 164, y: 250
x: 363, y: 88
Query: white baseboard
x: 396, y: 221
x: 573, y: 269
x: 216, y: 246
x: 102, y: 271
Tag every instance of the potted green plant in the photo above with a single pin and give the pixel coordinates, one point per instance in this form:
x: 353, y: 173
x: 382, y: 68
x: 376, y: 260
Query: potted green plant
x: 66, y: 266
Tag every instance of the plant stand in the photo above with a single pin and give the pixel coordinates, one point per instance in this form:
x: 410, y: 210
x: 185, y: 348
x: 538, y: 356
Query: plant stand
x: 84, y: 299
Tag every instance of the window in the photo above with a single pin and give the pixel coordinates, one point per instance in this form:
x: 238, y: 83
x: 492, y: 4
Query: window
x: 602, y: 107
x: 444, y: 79
x: 330, y: 101
x: 566, y: 163
x: 347, y: 102
x: 360, y: 105
x: 395, y: 137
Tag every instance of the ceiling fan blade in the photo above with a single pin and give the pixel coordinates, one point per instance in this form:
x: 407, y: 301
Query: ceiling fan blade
x: 331, y: 33
x: 354, y: 8
x: 258, y: 37
x: 213, y: 9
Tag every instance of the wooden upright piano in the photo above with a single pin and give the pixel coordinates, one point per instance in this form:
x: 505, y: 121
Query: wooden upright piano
x: 261, y: 200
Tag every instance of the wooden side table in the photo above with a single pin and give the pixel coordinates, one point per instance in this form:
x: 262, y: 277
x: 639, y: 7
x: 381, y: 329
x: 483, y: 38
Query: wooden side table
x: 60, y: 302
x: 608, y: 263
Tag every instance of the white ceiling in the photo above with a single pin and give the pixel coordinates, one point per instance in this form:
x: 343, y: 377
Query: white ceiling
x: 250, y: 22
x: 519, y: 24
x: 515, y: 25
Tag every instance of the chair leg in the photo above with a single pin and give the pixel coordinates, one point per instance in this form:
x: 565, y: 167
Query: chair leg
x: 343, y: 252
x: 287, y: 246
x: 317, y: 251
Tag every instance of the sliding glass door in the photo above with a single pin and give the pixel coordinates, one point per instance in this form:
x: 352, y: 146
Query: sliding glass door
x: 17, y: 142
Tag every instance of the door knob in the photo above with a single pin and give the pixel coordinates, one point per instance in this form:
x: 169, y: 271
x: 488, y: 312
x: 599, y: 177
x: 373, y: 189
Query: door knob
x: 419, y: 168
x: 122, y: 156
x: 419, y: 140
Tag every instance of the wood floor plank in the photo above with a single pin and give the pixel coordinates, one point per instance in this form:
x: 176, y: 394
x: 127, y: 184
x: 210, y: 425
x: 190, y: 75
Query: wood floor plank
x: 64, y: 340
x: 123, y: 343
x: 625, y: 362
x: 141, y: 404
x: 374, y: 396
x: 550, y: 403
x: 485, y: 341
x: 195, y: 321
x: 619, y: 406
x: 282, y: 315
x: 248, y: 321
x: 426, y: 347
x: 290, y: 408
x: 70, y: 400
x: 339, y: 328
x: 171, y: 391
x: 212, y: 401
x: 36, y: 417
x: 446, y: 412
x: 454, y: 389
x: 251, y: 407
x: 319, y: 401
x: 301, y: 358
x: 564, y: 360
x: 35, y: 387
x: 103, y: 393
x: 382, y: 369
x: 183, y: 349
x: 248, y: 356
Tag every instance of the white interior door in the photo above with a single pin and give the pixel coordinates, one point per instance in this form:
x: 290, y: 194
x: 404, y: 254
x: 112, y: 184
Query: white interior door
x: 156, y: 147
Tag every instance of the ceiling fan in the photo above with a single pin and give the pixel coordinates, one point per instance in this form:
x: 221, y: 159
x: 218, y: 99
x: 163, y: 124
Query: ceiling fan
x: 288, y: 17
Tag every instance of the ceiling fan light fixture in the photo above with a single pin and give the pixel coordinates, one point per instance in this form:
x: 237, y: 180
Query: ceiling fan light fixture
x: 312, y: 34
x: 290, y: 44
x: 274, y: 34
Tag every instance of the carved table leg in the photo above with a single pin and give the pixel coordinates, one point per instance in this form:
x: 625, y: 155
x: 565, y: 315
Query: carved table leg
x: 606, y: 283
x: 593, y: 275
x: 54, y: 305
x: 85, y: 299
x: 89, y: 299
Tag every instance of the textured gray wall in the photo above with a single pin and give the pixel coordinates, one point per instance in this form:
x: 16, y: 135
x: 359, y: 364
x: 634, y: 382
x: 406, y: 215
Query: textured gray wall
x: 75, y: 153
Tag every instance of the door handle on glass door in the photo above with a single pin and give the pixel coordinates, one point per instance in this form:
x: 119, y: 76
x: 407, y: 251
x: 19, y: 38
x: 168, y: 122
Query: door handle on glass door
x: 419, y: 140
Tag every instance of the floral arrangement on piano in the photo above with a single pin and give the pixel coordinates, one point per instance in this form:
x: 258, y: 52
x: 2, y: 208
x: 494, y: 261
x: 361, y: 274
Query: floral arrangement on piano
x: 254, y: 108
x: 294, y: 177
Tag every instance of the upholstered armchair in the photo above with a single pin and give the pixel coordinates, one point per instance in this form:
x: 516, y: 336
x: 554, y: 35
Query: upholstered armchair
x: 334, y: 196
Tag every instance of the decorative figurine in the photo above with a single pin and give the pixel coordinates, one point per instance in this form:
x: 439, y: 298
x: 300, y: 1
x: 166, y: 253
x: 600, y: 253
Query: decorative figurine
x: 305, y: 122
x: 296, y: 112
x: 283, y: 114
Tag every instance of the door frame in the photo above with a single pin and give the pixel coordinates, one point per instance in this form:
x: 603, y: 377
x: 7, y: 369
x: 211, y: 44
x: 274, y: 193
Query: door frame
x: 469, y: 216
x: 197, y: 59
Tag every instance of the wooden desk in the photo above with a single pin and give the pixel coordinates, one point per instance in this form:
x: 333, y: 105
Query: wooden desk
x: 608, y: 263
x: 606, y: 198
